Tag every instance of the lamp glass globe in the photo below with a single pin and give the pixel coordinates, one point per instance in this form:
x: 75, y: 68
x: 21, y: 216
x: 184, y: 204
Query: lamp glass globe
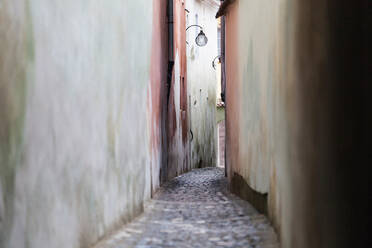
x: 201, y: 40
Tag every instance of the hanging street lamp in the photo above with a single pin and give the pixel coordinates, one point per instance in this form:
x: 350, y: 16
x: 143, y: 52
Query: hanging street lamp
x: 214, y: 61
x: 200, y: 40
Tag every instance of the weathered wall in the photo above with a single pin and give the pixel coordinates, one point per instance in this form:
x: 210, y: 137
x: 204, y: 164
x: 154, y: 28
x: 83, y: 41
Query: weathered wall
x: 178, y: 137
x: 75, y: 107
x: 231, y: 105
x: 202, y: 83
x: 157, y: 92
x: 291, y: 92
x: 221, y: 144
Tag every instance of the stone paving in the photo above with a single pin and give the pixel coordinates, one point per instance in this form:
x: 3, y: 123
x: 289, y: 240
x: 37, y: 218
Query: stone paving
x: 196, y: 210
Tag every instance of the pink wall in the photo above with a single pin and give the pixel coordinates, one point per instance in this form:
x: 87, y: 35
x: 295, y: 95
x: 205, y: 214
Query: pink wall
x: 293, y: 101
x: 178, y: 156
x: 168, y: 120
x: 232, y: 89
x: 157, y: 90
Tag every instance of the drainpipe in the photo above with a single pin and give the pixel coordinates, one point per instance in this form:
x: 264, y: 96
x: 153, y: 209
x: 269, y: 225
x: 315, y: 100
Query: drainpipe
x: 223, y: 65
x: 170, y: 46
x: 164, y: 170
x: 223, y: 75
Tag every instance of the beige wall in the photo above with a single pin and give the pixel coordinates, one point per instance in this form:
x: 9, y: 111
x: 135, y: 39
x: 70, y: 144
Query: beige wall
x: 202, y: 83
x: 74, y: 119
x: 288, y: 114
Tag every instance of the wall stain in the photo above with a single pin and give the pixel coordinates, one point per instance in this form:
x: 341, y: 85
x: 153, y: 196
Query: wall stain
x: 15, y: 71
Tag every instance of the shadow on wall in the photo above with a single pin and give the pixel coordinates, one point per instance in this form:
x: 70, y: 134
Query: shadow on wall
x: 297, y: 116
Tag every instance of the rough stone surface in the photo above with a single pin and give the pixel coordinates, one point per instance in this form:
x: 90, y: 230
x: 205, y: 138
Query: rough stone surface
x: 196, y: 210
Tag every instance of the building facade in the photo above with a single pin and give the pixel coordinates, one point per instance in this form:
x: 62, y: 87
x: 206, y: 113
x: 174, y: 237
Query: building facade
x: 289, y: 119
x: 202, y: 82
x: 90, y: 124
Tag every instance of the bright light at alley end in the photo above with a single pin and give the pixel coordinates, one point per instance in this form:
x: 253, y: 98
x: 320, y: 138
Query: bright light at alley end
x: 201, y: 40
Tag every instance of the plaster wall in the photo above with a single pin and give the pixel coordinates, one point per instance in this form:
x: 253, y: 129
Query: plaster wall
x: 178, y: 126
x: 77, y: 141
x: 289, y: 99
x: 157, y: 107
x: 202, y: 83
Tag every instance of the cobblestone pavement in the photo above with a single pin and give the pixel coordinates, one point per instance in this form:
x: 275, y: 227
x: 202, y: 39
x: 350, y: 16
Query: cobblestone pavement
x: 196, y: 210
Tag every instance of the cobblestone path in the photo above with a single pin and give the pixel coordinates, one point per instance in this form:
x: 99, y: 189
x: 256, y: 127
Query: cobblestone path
x: 196, y: 210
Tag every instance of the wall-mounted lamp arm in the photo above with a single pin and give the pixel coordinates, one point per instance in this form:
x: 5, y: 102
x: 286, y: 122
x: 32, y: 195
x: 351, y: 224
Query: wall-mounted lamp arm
x: 195, y: 25
x: 213, y: 61
x: 201, y: 39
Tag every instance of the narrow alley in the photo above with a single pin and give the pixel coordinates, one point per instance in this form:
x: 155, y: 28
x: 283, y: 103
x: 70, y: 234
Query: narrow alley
x: 196, y: 210
x: 185, y: 123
